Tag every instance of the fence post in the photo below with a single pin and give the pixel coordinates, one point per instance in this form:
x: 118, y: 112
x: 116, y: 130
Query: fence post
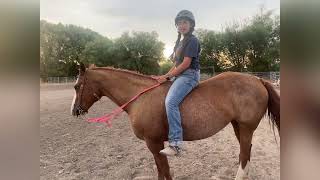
x: 270, y: 76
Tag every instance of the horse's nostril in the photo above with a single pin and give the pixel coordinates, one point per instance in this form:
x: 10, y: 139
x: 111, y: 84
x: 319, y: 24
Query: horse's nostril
x: 75, y: 112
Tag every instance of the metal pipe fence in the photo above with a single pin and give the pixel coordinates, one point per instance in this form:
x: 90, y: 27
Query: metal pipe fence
x: 58, y: 80
x: 272, y: 76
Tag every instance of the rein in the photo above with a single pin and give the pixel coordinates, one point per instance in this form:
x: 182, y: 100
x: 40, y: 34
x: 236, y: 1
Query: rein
x: 108, y: 117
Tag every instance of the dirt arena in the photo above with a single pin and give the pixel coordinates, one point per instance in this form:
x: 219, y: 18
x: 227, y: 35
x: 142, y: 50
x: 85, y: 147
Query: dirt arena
x: 71, y: 148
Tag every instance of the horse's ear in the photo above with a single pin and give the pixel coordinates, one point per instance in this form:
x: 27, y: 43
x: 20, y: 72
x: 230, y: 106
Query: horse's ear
x: 92, y: 66
x: 82, y: 68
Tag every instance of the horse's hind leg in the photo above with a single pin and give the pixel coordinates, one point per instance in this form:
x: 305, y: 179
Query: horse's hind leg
x: 245, y: 151
x: 236, y: 129
x: 161, y: 160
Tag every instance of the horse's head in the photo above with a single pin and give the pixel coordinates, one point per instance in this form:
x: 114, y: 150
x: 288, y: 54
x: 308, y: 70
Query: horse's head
x: 86, y: 92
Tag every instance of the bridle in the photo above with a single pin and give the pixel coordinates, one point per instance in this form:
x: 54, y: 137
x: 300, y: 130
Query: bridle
x: 97, y: 97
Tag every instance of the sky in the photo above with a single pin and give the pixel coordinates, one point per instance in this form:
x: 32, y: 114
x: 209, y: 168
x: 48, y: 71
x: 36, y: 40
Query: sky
x: 111, y: 18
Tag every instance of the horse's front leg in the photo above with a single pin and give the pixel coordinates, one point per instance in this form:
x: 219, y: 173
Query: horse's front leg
x: 161, y: 161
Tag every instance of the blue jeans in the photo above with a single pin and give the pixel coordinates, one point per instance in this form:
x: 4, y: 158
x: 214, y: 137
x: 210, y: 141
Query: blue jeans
x: 181, y: 87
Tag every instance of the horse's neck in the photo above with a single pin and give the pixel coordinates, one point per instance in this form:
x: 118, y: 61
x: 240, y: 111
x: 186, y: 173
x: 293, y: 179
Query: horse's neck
x: 121, y: 86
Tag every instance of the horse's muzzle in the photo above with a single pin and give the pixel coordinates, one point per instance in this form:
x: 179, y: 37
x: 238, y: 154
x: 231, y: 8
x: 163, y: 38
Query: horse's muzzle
x: 78, y: 110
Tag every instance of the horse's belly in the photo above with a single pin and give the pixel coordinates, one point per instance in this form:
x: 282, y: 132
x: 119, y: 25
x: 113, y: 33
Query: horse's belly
x: 203, y: 115
x: 202, y: 129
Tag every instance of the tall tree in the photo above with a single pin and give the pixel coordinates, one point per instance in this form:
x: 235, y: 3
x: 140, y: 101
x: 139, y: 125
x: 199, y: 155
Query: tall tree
x: 264, y: 42
x: 252, y: 46
x: 61, y: 47
x: 141, y: 51
x: 234, y: 56
x: 211, y: 47
x: 99, y: 52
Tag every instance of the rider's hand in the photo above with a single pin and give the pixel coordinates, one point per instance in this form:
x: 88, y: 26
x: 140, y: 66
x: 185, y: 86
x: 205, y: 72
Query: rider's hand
x: 160, y: 79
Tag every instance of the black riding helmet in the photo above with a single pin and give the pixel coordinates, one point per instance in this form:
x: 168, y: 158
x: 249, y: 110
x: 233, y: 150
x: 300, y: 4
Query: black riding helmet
x: 185, y: 14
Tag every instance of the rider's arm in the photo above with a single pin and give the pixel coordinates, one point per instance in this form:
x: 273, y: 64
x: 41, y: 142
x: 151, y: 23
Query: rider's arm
x: 183, y: 66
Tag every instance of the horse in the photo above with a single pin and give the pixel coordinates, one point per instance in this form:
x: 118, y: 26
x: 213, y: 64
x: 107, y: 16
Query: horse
x: 230, y: 97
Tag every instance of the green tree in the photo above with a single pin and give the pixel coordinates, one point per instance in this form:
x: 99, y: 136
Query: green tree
x: 142, y: 52
x: 211, y: 47
x: 61, y: 47
x: 264, y: 42
x: 253, y: 46
x: 165, y: 66
x: 234, y: 55
x: 99, y: 52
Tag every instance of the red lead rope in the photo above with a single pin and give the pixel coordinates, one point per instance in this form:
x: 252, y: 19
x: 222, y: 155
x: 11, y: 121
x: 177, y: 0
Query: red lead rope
x: 108, y: 117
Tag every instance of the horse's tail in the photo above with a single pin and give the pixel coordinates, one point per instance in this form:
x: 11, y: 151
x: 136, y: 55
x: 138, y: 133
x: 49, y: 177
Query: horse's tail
x: 273, y: 104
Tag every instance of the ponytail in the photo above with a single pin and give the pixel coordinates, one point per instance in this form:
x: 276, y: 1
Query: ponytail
x: 177, y: 42
x: 175, y: 47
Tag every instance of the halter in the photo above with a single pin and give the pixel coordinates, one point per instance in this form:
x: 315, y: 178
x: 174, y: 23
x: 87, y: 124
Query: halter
x: 79, y: 107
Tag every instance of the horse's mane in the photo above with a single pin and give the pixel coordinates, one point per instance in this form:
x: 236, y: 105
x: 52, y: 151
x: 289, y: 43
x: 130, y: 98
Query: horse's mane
x: 135, y: 73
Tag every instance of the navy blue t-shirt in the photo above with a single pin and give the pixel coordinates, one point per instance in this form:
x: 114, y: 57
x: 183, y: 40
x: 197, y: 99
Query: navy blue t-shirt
x: 191, y: 50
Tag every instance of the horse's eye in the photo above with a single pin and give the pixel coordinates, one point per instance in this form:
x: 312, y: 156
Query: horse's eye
x: 76, y: 87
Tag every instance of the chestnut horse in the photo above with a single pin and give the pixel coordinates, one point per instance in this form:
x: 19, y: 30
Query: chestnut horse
x: 230, y: 97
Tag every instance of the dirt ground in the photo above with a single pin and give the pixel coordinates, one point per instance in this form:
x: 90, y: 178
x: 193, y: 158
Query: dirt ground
x: 71, y: 148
